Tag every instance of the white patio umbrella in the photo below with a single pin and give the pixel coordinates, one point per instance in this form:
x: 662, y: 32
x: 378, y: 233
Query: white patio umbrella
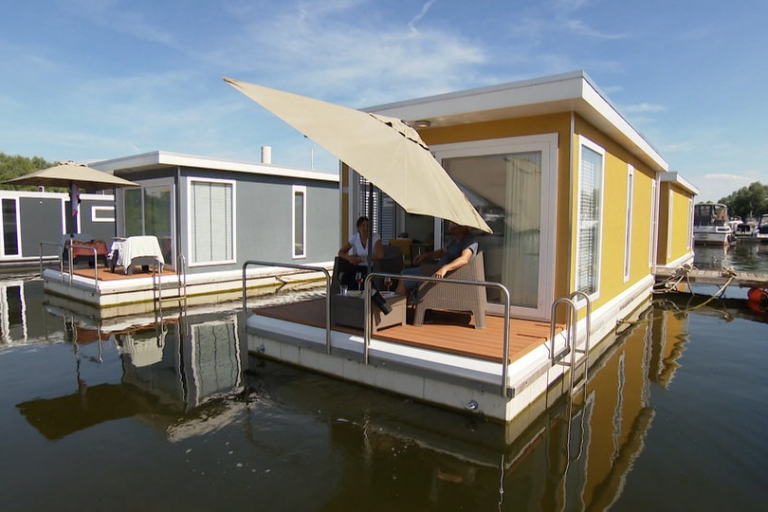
x: 74, y: 177
x: 385, y: 150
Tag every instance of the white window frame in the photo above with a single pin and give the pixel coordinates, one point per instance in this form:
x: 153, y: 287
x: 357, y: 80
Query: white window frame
x: 654, y: 236
x: 102, y: 214
x: 670, y: 223
x: 18, y: 230
x: 190, y: 208
x: 547, y: 144
x: 585, y: 142
x: 689, y: 243
x: 295, y: 191
x: 628, y: 233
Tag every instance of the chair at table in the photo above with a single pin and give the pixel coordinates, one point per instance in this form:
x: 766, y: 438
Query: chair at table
x: 454, y: 297
x: 405, y: 248
x: 349, y: 310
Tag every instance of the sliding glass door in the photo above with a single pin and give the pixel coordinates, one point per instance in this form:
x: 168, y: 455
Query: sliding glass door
x: 149, y: 210
x: 512, y: 183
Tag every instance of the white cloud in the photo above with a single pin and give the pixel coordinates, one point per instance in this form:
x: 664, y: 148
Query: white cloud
x: 643, y: 108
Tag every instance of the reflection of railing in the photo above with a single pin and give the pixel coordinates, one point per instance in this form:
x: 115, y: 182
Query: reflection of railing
x: 58, y: 248
x: 486, y: 284
x: 70, y: 260
x: 297, y: 267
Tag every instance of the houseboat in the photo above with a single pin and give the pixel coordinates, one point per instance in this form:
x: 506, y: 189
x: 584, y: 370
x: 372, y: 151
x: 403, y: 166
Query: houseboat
x: 205, y: 218
x: 711, y: 224
x: 674, y: 222
x: 35, y: 221
x: 571, y: 191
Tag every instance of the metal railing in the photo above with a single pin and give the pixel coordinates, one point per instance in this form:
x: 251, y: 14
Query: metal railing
x: 297, y: 267
x: 367, y: 327
x: 70, y: 260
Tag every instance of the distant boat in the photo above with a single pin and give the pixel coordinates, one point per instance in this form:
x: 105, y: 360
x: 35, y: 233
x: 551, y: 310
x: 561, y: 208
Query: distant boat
x: 711, y: 224
x: 745, y: 230
x: 762, y: 228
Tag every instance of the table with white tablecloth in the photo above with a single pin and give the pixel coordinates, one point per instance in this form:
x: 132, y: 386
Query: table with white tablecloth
x: 126, y: 252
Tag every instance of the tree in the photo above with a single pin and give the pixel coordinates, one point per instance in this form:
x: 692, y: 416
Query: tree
x: 751, y: 201
x: 15, y: 166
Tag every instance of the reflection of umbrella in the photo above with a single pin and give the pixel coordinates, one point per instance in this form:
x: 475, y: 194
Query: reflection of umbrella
x: 384, y: 150
x: 72, y: 176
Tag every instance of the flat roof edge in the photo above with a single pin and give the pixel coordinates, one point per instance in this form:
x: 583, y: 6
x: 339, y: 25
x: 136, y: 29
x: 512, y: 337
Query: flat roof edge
x: 166, y: 158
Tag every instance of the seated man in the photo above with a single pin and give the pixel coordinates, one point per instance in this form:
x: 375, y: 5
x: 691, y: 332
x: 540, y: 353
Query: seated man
x: 459, y: 251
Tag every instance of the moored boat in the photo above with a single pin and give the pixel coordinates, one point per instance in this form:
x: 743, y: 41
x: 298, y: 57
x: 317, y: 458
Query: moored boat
x: 711, y: 224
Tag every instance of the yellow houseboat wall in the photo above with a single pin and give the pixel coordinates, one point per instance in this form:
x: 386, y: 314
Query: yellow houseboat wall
x: 616, y: 273
x: 675, y: 236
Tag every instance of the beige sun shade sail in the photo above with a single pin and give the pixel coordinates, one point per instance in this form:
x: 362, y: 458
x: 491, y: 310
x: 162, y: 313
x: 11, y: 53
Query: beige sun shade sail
x: 385, y: 150
x: 67, y: 174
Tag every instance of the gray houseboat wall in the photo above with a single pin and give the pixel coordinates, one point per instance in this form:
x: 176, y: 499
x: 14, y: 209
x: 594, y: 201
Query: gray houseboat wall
x: 221, y: 213
x: 30, y: 218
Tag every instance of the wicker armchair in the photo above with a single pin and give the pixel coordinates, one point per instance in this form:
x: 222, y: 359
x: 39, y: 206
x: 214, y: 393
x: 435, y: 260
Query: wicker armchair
x: 455, y: 297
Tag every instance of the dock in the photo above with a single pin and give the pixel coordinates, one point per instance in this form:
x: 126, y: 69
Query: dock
x: 724, y: 277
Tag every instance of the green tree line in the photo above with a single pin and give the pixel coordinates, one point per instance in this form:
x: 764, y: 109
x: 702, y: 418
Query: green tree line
x: 15, y: 166
x: 748, y: 202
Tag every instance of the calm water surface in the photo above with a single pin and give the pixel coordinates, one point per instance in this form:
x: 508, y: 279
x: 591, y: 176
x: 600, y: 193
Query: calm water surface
x: 123, y: 417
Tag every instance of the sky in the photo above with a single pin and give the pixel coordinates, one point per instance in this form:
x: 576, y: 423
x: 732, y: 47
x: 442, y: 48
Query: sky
x: 90, y: 80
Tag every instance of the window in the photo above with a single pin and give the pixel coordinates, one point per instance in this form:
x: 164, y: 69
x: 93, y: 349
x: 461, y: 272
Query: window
x: 628, y: 239
x: 652, y: 243
x: 591, y: 169
x: 149, y: 210
x: 103, y: 213
x: 211, y: 221
x: 689, y: 240
x: 299, y: 222
x: 11, y: 242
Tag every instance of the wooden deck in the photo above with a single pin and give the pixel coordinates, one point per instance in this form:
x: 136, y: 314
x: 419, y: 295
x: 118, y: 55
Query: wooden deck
x: 713, y: 277
x: 104, y: 274
x: 443, y: 331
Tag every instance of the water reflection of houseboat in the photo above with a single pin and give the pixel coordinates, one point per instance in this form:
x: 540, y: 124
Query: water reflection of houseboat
x: 171, y: 374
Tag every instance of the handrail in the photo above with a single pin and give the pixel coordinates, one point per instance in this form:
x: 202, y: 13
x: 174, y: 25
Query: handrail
x: 572, y: 338
x: 298, y: 267
x: 428, y: 279
x: 70, y: 260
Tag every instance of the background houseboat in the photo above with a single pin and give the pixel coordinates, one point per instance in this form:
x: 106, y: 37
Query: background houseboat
x: 711, y: 224
x: 210, y: 216
x: 34, y: 222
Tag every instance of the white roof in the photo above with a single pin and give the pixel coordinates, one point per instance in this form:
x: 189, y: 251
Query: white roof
x: 675, y: 178
x: 165, y: 158
x: 558, y: 93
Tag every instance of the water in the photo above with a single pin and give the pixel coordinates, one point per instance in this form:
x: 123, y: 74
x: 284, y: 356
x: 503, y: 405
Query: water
x: 180, y: 418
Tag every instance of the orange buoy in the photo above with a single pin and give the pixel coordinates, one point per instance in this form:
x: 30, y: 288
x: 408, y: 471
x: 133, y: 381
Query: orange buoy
x: 758, y: 296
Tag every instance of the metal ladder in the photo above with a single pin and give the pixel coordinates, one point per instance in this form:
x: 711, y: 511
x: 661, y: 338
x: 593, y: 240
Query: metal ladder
x: 179, y: 285
x: 571, y: 339
x: 559, y: 468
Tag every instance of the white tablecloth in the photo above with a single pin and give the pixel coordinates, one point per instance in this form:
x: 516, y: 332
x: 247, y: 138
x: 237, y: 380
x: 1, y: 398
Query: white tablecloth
x: 137, y: 247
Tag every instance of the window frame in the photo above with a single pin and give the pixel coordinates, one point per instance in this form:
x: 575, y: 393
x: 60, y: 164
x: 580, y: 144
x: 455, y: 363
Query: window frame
x: 190, y: 211
x: 584, y: 142
x: 297, y: 190
x: 629, y: 219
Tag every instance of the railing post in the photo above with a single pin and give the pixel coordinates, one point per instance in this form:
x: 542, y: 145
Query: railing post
x: 486, y: 284
x: 297, y: 267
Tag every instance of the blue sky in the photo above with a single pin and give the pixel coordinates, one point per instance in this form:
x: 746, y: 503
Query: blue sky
x: 89, y: 80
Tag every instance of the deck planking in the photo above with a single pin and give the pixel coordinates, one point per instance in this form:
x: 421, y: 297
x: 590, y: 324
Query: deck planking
x: 713, y: 277
x: 443, y: 331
